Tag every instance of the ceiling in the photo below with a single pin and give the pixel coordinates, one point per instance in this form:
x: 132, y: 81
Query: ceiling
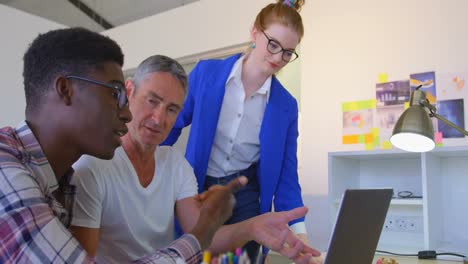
x: 97, y: 15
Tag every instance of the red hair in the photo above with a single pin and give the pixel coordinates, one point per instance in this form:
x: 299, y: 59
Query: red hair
x: 283, y: 14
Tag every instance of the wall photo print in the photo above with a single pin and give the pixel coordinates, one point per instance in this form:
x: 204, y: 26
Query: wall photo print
x: 452, y: 110
x: 427, y: 82
x: 386, y: 117
x: 392, y: 93
x: 358, y: 121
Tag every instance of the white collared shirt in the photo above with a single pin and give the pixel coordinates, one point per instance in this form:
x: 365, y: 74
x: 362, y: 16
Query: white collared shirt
x: 237, y: 143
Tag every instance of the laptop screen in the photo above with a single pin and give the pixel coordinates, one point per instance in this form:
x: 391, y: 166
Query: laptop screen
x: 358, y: 226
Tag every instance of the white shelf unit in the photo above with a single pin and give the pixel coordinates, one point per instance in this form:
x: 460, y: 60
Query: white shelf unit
x: 437, y: 221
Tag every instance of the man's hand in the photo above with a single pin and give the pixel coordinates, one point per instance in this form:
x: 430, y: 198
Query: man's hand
x: 272, y: 231
x: 303, y: 237
x: 216, y: 207
x: 315, y: 260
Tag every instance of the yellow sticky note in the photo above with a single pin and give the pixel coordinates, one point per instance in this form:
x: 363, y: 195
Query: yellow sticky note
x: 376, y: 135
x: 375, y: 131
x: 383, y: 77
x: 386, y: 145
x: 349, y: 106
x: 406, y: 105
x: 370, y: 146
x: 376, y: 141
x: 358, y: 105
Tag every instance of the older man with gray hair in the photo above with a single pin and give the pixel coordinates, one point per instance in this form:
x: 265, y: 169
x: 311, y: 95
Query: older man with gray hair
x: 129, y: 215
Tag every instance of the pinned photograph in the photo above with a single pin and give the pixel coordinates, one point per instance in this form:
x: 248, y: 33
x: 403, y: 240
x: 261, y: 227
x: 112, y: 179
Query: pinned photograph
x: 453, y: 110
x: 427, y: 82
x: 392, y: 93
x: 358, y: 121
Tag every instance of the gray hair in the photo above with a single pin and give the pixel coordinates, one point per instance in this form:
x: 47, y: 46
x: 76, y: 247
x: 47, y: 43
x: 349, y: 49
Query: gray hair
x: 160, y: 63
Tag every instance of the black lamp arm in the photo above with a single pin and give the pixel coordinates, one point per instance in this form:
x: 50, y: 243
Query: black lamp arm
x: 432, y: 113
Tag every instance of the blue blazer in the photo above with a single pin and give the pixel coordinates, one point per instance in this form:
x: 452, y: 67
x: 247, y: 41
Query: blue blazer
x: 277, y: 170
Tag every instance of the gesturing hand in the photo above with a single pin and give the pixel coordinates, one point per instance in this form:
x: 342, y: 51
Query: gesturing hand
x: 216, y: 207
x: 272, y: 231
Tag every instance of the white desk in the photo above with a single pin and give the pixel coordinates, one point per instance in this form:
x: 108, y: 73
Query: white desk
x: 415, y: 260
x: 275, y: 258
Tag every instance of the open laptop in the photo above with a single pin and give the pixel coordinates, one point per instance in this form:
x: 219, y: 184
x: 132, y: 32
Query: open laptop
x: 358, y: 226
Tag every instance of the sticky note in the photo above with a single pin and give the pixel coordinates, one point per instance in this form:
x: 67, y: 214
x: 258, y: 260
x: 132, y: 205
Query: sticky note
x: 361, y: 138
x: 386, y: 145
x: 350, y: 139
x: 358, y: 105
x: 369, y: 146
x: 375, y: 131
x: 383, y: 77
x: 438, y: 137
x: 376, y: 141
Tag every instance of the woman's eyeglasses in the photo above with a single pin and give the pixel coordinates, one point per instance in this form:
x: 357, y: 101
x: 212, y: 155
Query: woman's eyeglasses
x: 274, y: 48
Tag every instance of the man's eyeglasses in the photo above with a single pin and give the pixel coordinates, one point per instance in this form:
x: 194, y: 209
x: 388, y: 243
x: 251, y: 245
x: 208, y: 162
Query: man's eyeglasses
x: 120, y: 95
x: 274, y: 48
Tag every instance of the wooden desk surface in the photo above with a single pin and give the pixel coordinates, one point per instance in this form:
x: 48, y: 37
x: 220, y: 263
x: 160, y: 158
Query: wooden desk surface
x: 415, y: 260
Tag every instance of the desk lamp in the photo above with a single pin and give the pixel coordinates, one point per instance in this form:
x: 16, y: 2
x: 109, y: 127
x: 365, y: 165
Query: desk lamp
x: 414, y: 131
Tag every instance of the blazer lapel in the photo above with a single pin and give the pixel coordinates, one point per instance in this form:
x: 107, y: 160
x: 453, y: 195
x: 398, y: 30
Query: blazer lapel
x: 272, y: 140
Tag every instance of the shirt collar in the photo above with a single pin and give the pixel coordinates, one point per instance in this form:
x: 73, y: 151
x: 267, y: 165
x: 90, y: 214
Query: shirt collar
x: 236, y: 73
x: 44, y: 174
x: 266, y: 87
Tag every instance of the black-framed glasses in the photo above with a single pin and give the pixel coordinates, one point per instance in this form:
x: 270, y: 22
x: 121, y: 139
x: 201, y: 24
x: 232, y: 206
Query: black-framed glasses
x: 121, y: 94
x: 274, y: 48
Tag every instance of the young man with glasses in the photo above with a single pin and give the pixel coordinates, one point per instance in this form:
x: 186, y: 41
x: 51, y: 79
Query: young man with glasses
x: 76, y: 104
x: 244, y: 122
x: 119, y: 216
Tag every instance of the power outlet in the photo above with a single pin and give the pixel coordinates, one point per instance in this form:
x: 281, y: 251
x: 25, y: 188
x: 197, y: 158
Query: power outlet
x: 403, y: 223
x: 389, y: 224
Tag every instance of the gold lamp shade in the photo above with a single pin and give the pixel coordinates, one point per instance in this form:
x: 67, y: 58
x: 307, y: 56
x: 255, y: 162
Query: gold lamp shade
x: 414, y: 131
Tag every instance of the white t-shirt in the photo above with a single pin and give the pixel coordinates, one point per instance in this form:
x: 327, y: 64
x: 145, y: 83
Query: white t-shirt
x: 133, y: 221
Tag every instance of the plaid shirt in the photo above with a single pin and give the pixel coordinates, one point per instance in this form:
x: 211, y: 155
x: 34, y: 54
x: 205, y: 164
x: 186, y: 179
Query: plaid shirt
x: 33, y: 223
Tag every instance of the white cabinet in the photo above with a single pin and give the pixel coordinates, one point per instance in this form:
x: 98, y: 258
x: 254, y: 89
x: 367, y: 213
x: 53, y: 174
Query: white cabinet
x: 436, y: 221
